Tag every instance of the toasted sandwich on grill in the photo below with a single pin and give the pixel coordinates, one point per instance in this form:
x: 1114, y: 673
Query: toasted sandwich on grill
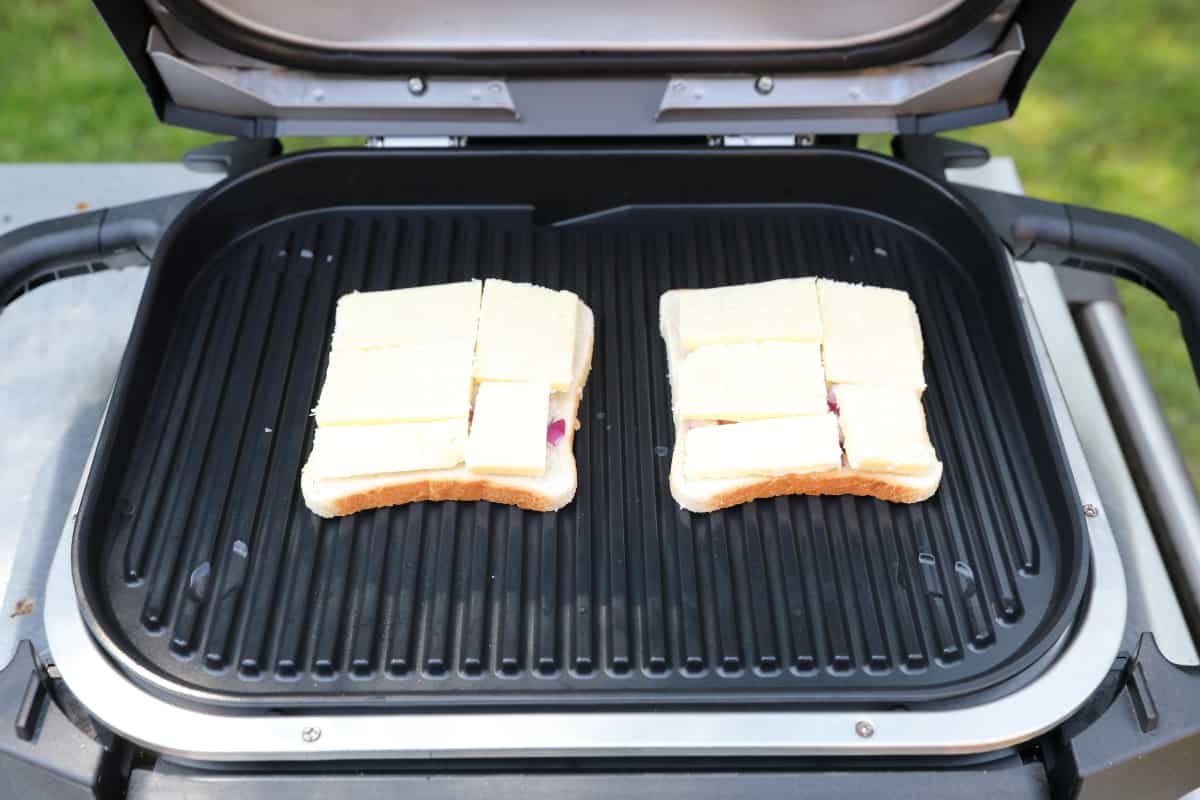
x: 796, y: 386
x: 461, y: 391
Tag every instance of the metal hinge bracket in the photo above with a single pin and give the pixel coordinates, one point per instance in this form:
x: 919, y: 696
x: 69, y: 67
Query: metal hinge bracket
x: 762, y: 140
x: 409, y: 142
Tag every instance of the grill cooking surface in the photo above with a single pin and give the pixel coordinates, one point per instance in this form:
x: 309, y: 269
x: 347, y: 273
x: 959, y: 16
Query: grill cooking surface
x: 217, y: 577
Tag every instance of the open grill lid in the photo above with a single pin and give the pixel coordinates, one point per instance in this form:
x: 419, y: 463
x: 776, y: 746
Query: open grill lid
x: 546, y: 68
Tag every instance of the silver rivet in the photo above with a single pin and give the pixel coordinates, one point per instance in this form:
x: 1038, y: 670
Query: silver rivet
x: 765, y: 84
x: 417, y: 86
x: 864, y: 729
x: 679, y: 86
x: 310, y: 734
x: 1090, y: 510
x: 495, y: 88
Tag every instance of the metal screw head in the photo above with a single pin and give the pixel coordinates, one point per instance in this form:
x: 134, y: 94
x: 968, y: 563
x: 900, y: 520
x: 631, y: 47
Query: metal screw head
x: 417, y: 86
x: 310, y: 734
x: 765, y: 84
x: 1090, y: 510
x: 864, y: 729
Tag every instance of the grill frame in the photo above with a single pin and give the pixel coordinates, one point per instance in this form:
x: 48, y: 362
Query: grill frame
x: 735, y: 179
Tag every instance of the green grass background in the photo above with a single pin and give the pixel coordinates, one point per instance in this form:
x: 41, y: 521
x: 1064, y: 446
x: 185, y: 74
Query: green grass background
x: 1112, y: 119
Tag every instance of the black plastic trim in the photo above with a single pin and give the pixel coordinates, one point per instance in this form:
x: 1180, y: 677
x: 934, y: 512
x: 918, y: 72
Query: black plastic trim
x: 951, y: 120
x: 1039, y: 21
x: 215, y: 122
x: 42, y: 755
x: 933, y: 155
x: 130, y: 22
x: 1144, y: 744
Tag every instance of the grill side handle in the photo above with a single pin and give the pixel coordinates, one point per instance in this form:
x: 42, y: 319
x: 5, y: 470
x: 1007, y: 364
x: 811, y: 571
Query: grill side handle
x: 107, y: 238
x: 1100, y: 241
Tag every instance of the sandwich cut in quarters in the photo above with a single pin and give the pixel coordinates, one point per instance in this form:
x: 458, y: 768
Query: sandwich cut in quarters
x: 821, y: 393
x: 462, y: 391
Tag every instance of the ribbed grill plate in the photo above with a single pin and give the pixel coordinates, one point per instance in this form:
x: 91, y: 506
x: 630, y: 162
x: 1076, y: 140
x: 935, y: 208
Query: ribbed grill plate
x: 219, y: 579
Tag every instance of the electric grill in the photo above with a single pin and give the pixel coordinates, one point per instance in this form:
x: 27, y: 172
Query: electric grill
x: 198, y: 610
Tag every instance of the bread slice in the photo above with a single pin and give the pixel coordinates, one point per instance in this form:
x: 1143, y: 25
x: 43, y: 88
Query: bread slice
x: 548, y: 492
x: 716, y: 493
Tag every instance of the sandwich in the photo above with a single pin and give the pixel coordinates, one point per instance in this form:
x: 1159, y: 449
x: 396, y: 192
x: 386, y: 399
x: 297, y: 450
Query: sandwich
x: 796, y: 386
x: 461, y: 391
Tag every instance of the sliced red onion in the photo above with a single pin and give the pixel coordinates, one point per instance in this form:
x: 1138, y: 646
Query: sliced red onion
x: 555, y: 431
x: 831, y: 401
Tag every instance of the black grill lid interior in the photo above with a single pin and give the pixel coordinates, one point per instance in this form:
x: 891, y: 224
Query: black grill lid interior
x: 199, y: 562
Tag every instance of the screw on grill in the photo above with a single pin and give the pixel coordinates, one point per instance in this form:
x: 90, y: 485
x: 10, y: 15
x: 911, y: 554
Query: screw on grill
x: 1090, y: 510
x: 765, y: 84
x: 417, y: 86
x: 864, y: 729
x: 310, y: 734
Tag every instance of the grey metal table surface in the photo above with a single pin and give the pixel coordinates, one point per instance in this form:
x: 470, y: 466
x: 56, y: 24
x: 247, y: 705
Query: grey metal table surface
x: 63, y: 344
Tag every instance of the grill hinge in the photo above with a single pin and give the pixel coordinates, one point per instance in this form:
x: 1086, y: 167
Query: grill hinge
x: 408, y: 142
x: 762, y: 140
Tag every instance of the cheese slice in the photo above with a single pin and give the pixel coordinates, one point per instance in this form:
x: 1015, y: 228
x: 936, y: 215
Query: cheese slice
x: 782, y: 446
x: 397, y: 384
x: 883, y: 429
x: 782, y: 310
x: 353, y: 450
x: 870, y: 335
x: 422, y: 315
x: 752, y: 381
x: 508, y: 429
x: 526, y: 333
